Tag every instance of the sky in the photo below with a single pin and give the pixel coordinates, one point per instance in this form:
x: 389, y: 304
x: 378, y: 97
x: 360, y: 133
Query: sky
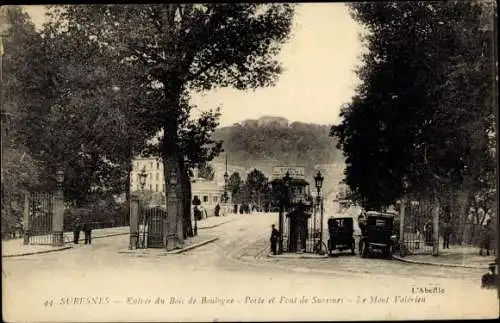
x: 318, y: 60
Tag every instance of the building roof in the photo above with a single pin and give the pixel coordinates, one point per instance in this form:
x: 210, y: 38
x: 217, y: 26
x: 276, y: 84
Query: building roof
x: 205, y: 186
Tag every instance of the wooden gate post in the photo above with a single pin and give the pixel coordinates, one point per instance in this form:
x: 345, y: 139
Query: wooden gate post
x: 26, y: 219
x: 134, y: 222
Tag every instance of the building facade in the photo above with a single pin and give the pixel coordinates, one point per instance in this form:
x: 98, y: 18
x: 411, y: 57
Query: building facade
x: 155, y: 180
x: 208, y: 192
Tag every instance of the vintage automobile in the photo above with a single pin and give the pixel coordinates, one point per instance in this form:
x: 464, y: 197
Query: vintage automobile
x: 341, y: 232
x: 377, y: 234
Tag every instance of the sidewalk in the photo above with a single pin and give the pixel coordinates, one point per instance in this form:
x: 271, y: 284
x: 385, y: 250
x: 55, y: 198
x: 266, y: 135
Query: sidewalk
x: 16, y: 247
x: 456, y: 256
x: 189, y: 244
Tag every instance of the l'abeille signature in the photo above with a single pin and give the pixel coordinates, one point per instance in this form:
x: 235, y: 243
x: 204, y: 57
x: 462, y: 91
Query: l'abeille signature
x: 427, y: 290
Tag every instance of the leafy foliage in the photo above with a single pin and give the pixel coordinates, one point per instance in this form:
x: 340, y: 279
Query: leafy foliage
x: 171, y: 49
x: 424, y: 110
x: 266, y: 143
x: 20, y: 170
x: 235, y: 186
x: 207, y: 172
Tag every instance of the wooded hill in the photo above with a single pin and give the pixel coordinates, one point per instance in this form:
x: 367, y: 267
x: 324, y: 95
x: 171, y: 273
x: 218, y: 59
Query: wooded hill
x: 273, y: 141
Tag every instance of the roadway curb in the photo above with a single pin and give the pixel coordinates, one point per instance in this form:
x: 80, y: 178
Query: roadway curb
x: 193, y: 246
x: 37, y: 252
x: 218, y: 225
x: 430, y: 263
x: 299, y: 256
x: 173, y: 252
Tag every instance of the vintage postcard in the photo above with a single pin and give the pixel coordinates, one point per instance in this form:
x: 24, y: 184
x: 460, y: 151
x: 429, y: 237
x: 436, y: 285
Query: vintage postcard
x: 249, y: 162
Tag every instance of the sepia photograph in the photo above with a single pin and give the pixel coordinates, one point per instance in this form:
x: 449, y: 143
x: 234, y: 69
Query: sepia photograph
x: 214, y: 162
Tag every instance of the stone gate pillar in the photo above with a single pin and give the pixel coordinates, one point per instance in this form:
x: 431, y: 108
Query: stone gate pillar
x: 172, y: 219
x: 58, y: 219
x: 134, y: 222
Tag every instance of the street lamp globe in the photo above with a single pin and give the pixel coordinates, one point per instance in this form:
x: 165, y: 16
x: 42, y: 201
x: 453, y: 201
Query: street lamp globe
x: 142, y: 178
x: 173, y: 179
x: 318, y: 180
x: 60, y: 176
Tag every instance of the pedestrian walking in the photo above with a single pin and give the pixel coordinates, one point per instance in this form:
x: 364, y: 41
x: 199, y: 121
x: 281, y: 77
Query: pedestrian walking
x: 87, y: 230
x: 275, y: 235
x: 217, y: 210
x: 486, y: 232
x: 447, y: 230
x: 428, y: 234
x: 197, y: 214
x: 478, y: 218
x: 76, y: 230
x: 468, y: 234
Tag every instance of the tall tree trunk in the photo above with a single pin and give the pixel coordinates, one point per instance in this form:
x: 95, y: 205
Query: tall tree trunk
x: 186, y: 200
x: 172, y: 161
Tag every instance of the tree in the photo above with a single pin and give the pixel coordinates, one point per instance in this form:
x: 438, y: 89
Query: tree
x: 181, y: 47
x: 423, y: 111
x: 20, y: 171
x: 207, y: 172
x: 256, y: 186
x: 234, y: 184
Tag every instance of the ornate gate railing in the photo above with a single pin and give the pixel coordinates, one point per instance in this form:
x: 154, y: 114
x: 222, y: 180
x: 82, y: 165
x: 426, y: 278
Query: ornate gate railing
x: 40, y: 214
x: 418, y: 232
x: 151, y: 229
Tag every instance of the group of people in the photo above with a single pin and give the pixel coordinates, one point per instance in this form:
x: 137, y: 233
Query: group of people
x: 478, y: 230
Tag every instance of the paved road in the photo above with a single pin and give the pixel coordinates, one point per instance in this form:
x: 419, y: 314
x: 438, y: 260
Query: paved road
x: 235, y: 266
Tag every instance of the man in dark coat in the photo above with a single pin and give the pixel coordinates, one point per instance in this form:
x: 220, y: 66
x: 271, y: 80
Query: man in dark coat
x: 76, y: 230
x: 87, y: 229
x: 275, y: 235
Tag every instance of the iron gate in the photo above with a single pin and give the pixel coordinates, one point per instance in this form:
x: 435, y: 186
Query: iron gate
x: 301, y: 230
x: 40, y: 212
x: 151, y: 228
x: 418, y: 234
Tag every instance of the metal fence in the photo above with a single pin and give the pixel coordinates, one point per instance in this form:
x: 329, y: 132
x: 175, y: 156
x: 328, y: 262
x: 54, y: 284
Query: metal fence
x: 418, y: 234
x: 151, y: 227
x: 466, y: 235
x: 40, y: 213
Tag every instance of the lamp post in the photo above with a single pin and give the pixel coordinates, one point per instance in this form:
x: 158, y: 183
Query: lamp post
x: 225, y: 197
x: 142, y: 178
x: 318, y: 181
